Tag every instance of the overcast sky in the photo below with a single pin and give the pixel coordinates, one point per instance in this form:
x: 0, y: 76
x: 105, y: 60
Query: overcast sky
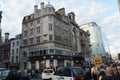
x: 104, y: 12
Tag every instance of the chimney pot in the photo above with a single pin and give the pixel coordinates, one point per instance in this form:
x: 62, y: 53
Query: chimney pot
x: 6, y: 37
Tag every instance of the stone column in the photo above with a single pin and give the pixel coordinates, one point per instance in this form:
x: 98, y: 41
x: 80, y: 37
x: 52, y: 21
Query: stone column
x: 37, y: 65
x: 55, y: 63
x: 72, y: 64
x: 29, y: 65
x: 65, y: 63
x: 47, y: 63
x: 21, y: 66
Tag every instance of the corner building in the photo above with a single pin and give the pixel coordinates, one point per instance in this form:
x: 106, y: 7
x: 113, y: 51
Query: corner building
x: 50, y: 39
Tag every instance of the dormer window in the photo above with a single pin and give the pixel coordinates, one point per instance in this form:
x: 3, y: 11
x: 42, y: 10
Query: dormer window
x: 50, y: 9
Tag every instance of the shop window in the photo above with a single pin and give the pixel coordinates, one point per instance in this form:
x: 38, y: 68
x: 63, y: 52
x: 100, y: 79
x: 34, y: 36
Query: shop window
x: 51, y: 50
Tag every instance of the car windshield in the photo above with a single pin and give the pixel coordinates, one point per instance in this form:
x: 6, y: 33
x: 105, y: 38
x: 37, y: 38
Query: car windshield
x: 4, y: 72
x: 77, y: 71
x: 48, y: 71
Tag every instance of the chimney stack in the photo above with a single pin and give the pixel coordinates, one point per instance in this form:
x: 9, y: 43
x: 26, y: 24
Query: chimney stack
x: 61, y: 11
x: 35, y: 8
x: 6, y: 37
x: 42, y: 5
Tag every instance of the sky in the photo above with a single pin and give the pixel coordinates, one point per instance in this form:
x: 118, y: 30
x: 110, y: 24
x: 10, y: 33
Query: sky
x: 104, y: 12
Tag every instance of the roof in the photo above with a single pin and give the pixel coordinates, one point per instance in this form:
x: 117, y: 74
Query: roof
x: 49, y: 5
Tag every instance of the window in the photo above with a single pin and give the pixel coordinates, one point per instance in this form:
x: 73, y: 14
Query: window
x: 77, y: 71
x: 17, y: 51
x: 51, y: 50
x: 13, y: 44
x: 67, y: 72
x: 26, y: 25
x: 17, y: 43
x: 24, y: 54
x: 25, y: 42
x: 12, y: 51
x: 31, y: 40
x: 38, y: 39
x: 60, y: 72
x: 38, y: 29
x: 58, y: 51
x: 50, y: 9
x: 50, y: 18
x: 31, y: 23
x: 25, y: 33
x: 38, y: 21
x: 50, y: 37
x: 16, y: 58
x: 12, y: 59
x: 58, y: 38
x: 50, y: 26
x: 31, y: 31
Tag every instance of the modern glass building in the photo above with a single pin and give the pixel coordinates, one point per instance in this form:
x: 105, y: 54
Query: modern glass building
x: 95, y: 38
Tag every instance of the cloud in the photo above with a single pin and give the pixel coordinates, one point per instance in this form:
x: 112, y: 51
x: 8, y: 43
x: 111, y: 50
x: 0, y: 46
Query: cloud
x: 85, y: 10
x: 111, y: 26
x: 111, y: 22
x: 88, y: 11
x: 13, y: 13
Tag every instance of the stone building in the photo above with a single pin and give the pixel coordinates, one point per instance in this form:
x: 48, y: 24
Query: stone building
x: 52, y: 39
x: 15, y: 52
x: 5, y: 51
x: 4, y: 47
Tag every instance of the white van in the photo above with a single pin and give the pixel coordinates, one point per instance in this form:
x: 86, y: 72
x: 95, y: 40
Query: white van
x: 69, y: 73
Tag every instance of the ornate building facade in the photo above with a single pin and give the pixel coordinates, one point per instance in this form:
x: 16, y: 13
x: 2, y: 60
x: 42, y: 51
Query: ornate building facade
x: 52, y: 39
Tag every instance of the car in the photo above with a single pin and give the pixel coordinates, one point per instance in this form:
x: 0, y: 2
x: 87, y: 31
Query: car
x: 47, y: 74
x: 69, y: 73
x: 4, y: 73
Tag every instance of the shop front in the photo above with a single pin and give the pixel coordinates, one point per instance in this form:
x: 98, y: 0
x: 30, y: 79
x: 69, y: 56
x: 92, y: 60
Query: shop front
x: 49, y: 61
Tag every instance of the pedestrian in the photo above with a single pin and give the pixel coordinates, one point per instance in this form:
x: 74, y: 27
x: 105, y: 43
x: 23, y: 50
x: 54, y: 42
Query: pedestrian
x: 101, y: 72
x: 87, y: 74
x: 29, y: 73
x: 25, y: 72
x: 109, y: 74
x: 117, y: 75
x: 37, y: 75
x: 33, y: 74
x: 94, y: 73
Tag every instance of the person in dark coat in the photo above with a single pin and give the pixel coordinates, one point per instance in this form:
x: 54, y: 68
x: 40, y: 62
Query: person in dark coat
x: 87, y: 74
